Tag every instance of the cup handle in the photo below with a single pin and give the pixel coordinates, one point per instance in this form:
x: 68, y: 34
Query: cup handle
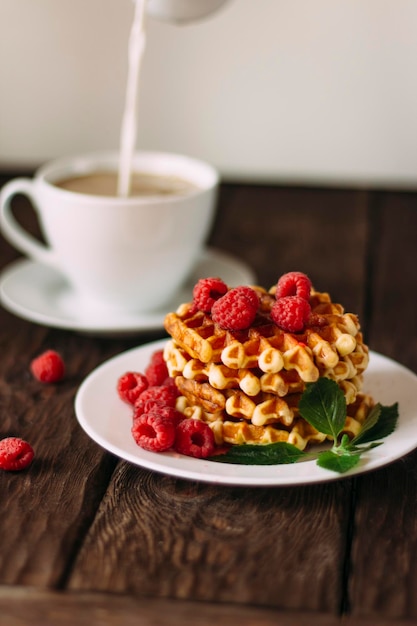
x: 13, y: 231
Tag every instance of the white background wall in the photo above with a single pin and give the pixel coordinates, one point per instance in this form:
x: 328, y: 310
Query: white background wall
x: 282, y: 90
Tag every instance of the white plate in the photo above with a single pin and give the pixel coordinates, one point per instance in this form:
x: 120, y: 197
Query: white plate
x: 107, y: 420
x: 40, y: 294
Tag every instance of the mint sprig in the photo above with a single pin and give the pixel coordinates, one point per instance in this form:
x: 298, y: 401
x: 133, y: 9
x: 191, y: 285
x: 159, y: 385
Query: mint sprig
x: 323, y: 406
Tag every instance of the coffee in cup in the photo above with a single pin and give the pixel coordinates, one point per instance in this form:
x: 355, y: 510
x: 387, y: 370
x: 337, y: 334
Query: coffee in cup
x: 103, y: 183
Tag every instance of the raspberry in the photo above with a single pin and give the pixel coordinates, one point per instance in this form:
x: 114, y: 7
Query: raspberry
x: 131, y: 385
x: 48, y: 367
x: 170, y: 382
x: 167, y: 394
x: 207, y: 291
x: 237, y: 309
x: 157, y: 370
x: 194, y: 438
x: 157, y: 357
x: 156, y: 407
x: 15, y: 454
x: 154, y: 433
x: 291, y: 313
x: 293, y: 284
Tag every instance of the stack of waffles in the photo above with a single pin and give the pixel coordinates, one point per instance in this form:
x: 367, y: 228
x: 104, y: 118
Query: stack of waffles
x: 247, y: 384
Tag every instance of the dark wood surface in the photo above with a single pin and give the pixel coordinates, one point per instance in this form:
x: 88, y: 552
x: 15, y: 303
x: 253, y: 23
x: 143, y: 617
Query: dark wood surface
x: 87, y: 538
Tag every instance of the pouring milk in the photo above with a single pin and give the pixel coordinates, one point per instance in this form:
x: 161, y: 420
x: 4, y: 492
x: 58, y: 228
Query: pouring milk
x: 136, y: 49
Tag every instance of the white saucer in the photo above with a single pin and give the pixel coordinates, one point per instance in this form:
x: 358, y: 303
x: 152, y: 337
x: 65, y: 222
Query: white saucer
x: 40, y: 294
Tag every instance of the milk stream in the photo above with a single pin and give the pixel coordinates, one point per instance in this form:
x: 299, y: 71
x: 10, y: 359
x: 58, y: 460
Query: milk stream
x: 128, y: 133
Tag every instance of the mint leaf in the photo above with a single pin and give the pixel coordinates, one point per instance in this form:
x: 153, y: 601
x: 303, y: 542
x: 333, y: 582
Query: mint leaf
x: 269, y: 454
x: 340, y: 463
x: 380, y: 423
x: 323, y: 405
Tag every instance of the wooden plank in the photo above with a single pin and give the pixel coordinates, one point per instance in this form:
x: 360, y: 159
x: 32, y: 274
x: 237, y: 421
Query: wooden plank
x: 46, y: 509
x: 383, y: 578
x: 158, y: 536
x: 20, y: 607
x: 393, y: 284
x: 384, y: 554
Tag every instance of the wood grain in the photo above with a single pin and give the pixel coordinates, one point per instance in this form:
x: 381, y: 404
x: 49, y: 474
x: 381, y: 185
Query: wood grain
x: 393, y: 280
x: 155, y: 535
x: 47, y: 508
x: 23, y: 606
x: 383, y: 577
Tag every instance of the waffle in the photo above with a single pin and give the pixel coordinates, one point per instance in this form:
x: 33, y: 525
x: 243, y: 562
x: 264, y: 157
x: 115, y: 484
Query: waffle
x: 299, y: 432
x: 247, y: 384
x: 347, y: 371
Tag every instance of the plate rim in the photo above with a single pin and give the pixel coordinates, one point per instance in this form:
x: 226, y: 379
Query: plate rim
x: 219, y: 473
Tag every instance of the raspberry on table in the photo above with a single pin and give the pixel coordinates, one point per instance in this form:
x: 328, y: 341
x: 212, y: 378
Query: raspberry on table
x: 157, y: 370
x: 293, y: 284
x: 237, y: 309
x: 207, y: 291
x: 131, y: 385
x: 291, y: 313
x: 194, y: 438
x: 153, y: 432
x: 15, y: 454
x: 48, y: 367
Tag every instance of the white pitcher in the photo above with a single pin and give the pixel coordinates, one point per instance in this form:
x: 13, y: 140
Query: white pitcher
x: 182, y: 11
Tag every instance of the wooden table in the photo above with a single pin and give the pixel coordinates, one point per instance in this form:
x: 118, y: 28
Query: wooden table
x: 90, y: 539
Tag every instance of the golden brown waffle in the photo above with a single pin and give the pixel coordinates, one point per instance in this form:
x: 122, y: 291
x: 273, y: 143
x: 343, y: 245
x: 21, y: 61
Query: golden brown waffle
x: 347, y: 372
x: 247, y: 384
x: 298, y: 433
x: 266, y: 347
x: 263, y: 408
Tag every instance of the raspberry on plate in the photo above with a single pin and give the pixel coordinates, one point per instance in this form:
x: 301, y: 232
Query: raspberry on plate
x: 15, y: 454
x: 157, y: 371
x: 293, y: 284
x: 48, y: 367
x: 153, y: 432
x: 131, y: 385
x: 291, y: 313
x: 207, y: 291
x: 237, y: 309
x: 167, y: 394
x: 194, y: 438
x: 157, y: 407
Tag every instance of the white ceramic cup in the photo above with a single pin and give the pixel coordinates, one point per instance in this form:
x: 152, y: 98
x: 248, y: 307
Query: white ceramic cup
x: 119, y: 254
